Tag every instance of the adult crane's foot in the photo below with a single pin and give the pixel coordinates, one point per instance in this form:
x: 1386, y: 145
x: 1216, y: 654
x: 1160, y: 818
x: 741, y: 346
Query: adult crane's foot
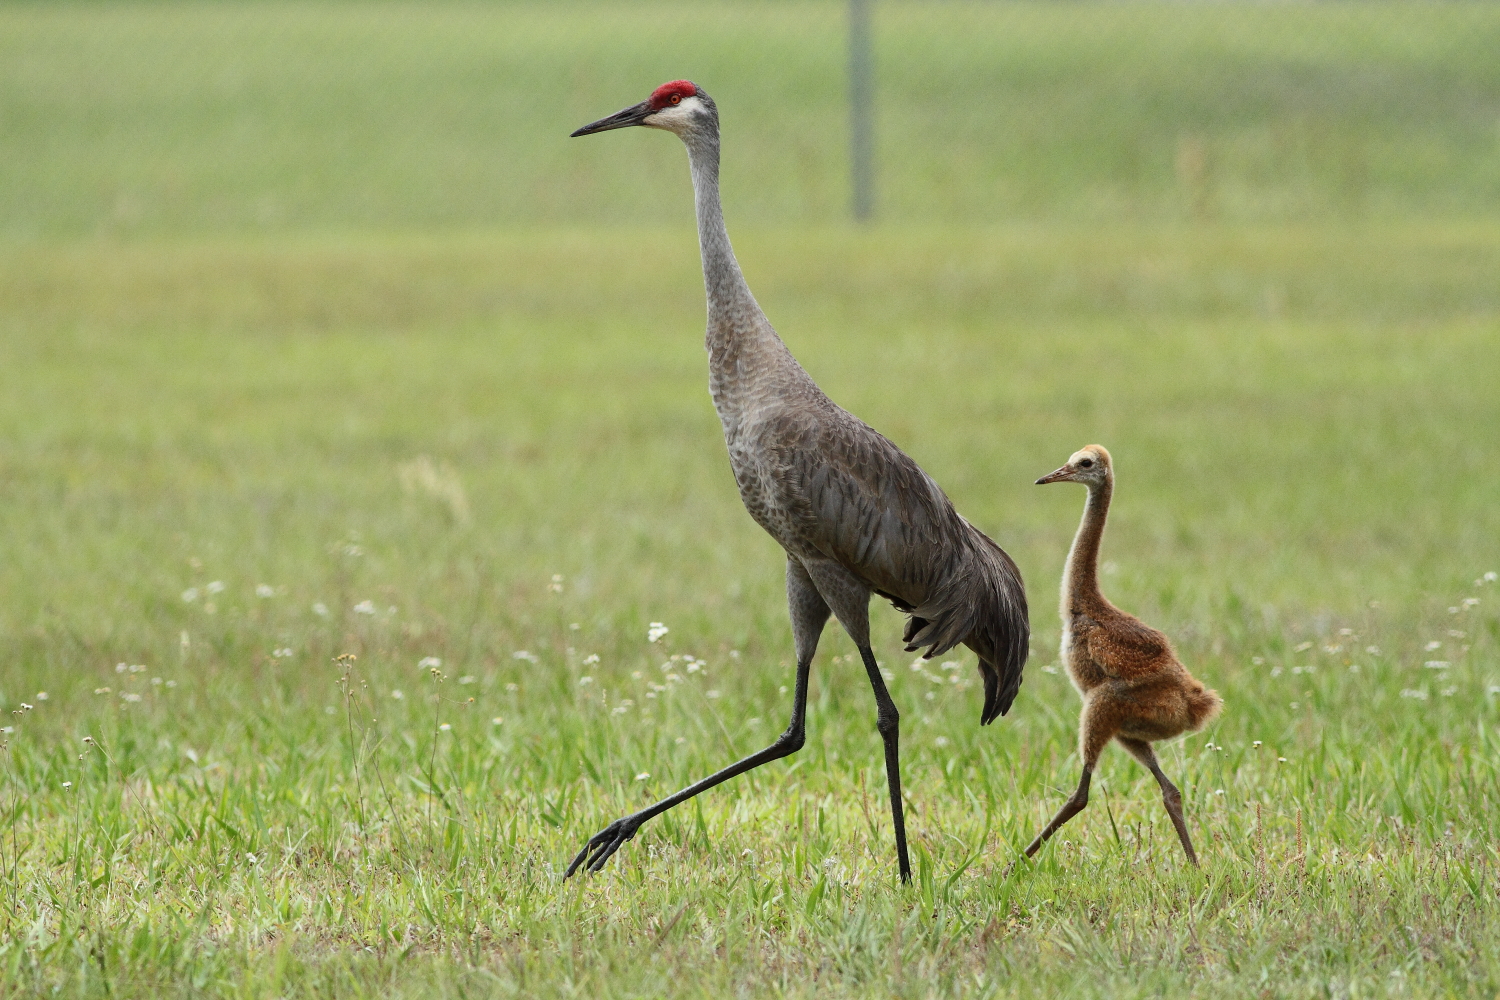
x: 602, y: 844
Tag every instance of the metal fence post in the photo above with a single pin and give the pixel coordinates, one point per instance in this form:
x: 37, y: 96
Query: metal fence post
x: 861, y: 113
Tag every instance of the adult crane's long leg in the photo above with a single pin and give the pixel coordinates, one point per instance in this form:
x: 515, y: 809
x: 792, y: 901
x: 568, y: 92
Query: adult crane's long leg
x: 850, y: 601
x: 809, y: 614
x: 888, y: 723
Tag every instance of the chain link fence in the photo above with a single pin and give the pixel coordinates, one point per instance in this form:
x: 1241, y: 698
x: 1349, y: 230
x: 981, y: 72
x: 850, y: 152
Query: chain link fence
x: 246, y: 118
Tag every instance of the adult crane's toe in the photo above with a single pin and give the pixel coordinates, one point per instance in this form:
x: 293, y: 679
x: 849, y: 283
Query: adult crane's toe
x: 601, y: 845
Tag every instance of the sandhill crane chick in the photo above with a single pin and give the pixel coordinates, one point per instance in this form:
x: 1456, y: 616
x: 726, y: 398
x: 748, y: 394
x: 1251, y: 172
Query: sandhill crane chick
x: 1133, y: 686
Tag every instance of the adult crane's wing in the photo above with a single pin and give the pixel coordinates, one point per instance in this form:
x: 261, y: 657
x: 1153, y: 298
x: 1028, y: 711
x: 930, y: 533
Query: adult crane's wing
x: 860, y: 501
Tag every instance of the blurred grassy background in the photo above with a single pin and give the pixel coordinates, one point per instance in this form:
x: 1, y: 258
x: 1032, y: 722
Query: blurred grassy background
x: 317, y: 335
x: 242, y: 118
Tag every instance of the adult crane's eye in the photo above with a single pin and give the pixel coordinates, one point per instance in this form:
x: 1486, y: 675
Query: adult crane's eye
x: 1087, y: 463
x: 676, y: 98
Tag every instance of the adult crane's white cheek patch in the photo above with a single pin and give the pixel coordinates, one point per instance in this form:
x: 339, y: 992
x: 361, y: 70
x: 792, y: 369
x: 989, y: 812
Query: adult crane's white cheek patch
x: 676, y: 117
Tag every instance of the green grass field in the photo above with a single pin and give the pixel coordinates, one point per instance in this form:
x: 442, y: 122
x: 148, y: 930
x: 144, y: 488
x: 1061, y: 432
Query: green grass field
x: 318, y: 337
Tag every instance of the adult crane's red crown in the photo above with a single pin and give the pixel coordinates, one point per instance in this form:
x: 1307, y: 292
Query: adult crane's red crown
x: 664, y: 95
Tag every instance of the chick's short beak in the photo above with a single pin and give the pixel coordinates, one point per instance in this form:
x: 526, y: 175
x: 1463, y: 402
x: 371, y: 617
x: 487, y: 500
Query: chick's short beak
x: 636, y: 115
x: 1059, y: 476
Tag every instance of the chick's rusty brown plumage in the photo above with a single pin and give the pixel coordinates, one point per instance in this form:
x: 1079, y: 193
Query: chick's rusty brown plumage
x: 1135, y: 689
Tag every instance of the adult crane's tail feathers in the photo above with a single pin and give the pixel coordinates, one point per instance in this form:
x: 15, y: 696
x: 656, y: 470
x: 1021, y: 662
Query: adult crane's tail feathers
x: 982, y: 604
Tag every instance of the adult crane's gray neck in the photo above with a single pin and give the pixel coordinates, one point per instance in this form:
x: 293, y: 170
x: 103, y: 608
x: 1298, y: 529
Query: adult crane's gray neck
x: 729, y: 297
x: 740, y: 340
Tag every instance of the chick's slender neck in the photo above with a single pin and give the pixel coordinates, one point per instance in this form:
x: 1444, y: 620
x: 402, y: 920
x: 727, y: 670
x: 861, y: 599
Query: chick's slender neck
x: 743, y: 349
x: 1080, y: 587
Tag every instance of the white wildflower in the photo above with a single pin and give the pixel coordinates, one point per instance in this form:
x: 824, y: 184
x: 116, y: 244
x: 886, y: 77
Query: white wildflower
x: 497, y: 721
x: 643, y: 776
x: 190, y: 595
x: 467, y: 679
x: 1434, y: 644
x: 444, y: 728
x: 320, y: 609
x: 527, y: 655
x: 215, y: 587
x: 711, y: 694
x: 365, y: 608
x: 398, y: 694
x: 1437, y: 665
x: 1416, y: 693
x: 941, y: 741
x: 585, y: 681
x: 656, y: 631
x: 512, y: 687
x: 591, y: 658
x: 264, y: 590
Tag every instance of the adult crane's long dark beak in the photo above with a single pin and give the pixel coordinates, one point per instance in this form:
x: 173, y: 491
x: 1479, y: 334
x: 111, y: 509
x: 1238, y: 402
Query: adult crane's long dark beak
x: 620, y: 119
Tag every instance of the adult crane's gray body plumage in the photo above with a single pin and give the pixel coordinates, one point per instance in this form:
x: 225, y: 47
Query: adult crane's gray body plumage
x: 855, y: 515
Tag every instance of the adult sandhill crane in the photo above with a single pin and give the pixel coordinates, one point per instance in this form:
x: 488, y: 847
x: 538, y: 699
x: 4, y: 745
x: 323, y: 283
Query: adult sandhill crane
x: 1134, y: 688
x: 855, y: 515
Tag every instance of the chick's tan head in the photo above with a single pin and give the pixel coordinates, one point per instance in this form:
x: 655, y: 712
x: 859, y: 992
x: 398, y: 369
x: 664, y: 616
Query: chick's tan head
x: 1089, y: 465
